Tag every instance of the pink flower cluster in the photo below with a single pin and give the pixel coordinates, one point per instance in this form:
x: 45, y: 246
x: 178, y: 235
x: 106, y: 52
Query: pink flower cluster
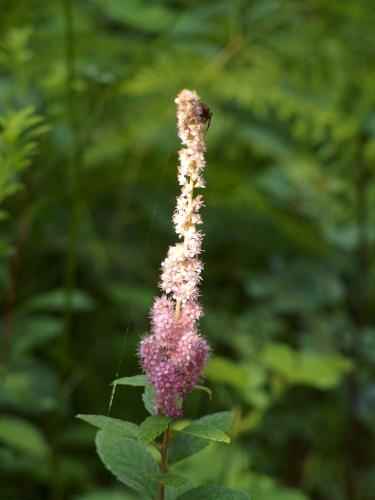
x: 173, y: 355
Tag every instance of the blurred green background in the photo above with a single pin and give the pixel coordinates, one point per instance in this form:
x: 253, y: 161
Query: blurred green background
x: 88, y: 156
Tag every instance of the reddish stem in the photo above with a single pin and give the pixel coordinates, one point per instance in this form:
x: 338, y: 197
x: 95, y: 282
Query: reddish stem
x: 164, y: 460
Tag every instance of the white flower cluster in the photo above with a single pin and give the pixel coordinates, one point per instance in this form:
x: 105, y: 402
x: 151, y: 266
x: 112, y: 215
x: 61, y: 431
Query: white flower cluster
x: 181, y: 269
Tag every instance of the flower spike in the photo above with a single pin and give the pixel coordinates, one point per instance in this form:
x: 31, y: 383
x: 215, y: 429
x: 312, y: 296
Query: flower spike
x: 174, y: 354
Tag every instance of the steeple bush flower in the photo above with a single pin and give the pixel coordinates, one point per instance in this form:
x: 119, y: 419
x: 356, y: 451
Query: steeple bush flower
x: 174, y: 354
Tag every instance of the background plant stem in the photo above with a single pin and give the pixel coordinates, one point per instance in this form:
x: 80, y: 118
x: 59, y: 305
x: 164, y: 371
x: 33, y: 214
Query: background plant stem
x: 73, y: 171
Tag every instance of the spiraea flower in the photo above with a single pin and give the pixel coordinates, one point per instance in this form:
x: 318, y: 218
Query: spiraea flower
x: 174, y: 354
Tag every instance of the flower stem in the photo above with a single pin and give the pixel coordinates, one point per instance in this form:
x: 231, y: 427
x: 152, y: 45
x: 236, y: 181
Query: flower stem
x: 177, y: 311
x: 178, y: 302
x: 164, y: 460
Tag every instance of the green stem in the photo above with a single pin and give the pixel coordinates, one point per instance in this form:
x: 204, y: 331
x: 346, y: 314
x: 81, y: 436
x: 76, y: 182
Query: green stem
x: 72, y: 202
x: 73, y: 173
x: 11, y: 291
x: 360, y: 316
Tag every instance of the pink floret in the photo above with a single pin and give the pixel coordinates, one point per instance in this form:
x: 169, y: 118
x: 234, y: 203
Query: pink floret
x: 173, y: 356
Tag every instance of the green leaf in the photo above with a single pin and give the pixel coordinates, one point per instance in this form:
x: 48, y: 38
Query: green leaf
x: 55, y: 300
x: 263, y: 486
x: 249, y: 380
x: 213, y: 492
x: 3, y: 215
x: 135, y: 380
x: 301, y: 287
x: 154, y: 18
x: 107, y: 494
x: 23, y: 436
x: 205, y: 389
x: 183, y: 445
x: 174, y: 480
x: 127, y: 296
x: 222, y: 370
x: 114, y: 425
x: 29, y: 384
x: 129, y: 461
x: 153, y: 426
x: 320, y: 370
x: 206, y: 431
x: 33, y: 332
x: 148, y: 398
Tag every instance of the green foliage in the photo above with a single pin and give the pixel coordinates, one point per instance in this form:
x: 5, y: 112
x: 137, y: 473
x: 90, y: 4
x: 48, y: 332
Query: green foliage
x: 141, y: 381
x: 136, y: 381
x: 171, y: 480
x: 205, y: 431
x: 23, y: 436
x: 185, y: 445
x: 153, y: 426
x: 212, y: 493
x: 122, y: 447
x: 323, y: 371
x: 114, y: 425
x: 288, y: 289
x: 248, y: 380
x: 262, y: 486
x: 34, y: 332
x: 129, y: 461
x: 19, y: 131
x: 205, y: 389
x: 148, y: 398
x: 109, y: 494
x: 54, y: 300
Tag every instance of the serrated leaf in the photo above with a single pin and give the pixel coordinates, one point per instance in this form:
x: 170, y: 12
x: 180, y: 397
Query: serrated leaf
x: 204, y: 431
x: 23, y: 436
x: 114, y: 425
x: 129, y: 461
x: 148, y: 398
x: 135, y: 380
x: 184, y: 445
x: 174, y: 480
x: 153, y: 426
x: 213, y: 492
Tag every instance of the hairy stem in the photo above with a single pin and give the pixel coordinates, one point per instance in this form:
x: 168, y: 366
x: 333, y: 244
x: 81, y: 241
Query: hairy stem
x: 164, y: 460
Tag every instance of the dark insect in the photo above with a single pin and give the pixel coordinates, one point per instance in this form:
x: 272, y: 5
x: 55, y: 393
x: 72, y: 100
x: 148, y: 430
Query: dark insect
x: 206, y: 114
